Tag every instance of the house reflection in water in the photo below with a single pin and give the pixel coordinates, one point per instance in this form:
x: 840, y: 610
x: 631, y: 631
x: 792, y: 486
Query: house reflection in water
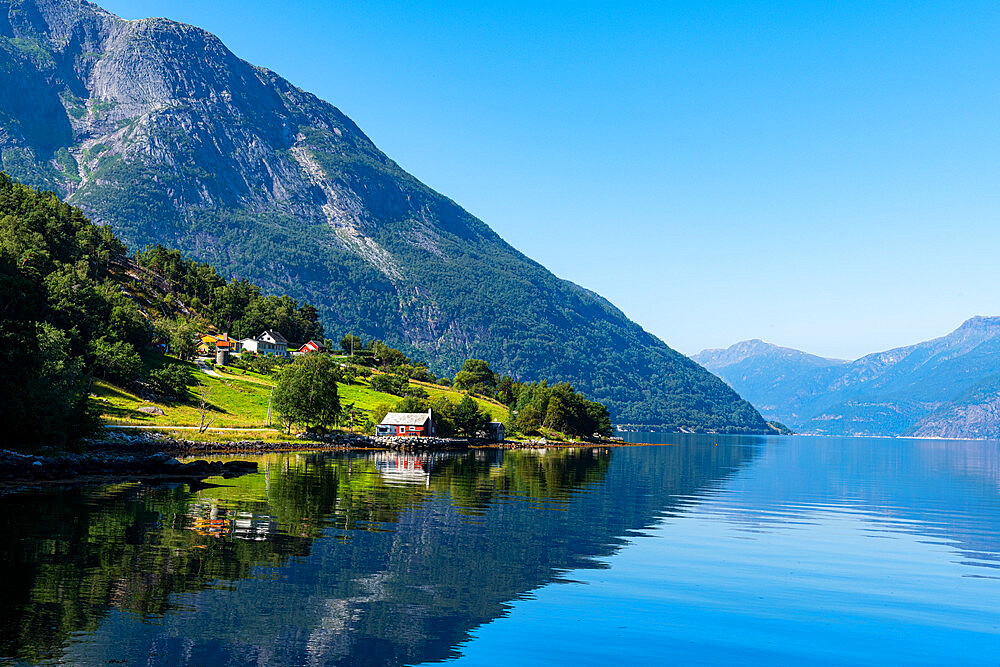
x: 212, y: 520
x: 403, y: 468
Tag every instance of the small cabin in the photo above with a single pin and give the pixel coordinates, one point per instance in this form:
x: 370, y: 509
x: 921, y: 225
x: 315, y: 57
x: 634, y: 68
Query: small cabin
x: 407, y: 424
x: 494, y: 432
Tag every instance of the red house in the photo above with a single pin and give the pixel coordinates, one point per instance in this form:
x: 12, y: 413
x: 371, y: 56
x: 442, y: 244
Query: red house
x: 311, y: 346
x: 411, y: 424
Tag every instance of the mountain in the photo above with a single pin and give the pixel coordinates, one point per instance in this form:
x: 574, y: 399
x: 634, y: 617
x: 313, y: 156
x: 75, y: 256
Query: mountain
x: 157, y: 129
x: 774, y: 379
x: 945, y: 387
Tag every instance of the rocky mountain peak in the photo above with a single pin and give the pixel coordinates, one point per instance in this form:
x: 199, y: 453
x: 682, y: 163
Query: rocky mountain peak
x: 989, y: 325
x: 159, y: 130
x: 756, y: 348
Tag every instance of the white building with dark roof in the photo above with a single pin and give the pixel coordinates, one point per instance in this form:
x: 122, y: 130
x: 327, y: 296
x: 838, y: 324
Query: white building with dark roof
x: 268, y: 342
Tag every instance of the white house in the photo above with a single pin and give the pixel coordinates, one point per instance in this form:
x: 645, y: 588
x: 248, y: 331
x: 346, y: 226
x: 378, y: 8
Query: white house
x: 269, y: 342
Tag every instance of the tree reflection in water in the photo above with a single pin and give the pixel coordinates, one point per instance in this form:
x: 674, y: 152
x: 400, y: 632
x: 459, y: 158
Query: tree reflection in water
x: 371, y: 559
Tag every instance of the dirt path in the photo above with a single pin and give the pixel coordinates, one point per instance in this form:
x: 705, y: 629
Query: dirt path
x: 153, y: 427
x: 205, y: 368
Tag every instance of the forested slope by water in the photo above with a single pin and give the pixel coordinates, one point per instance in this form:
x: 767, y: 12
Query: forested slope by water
x: 157, y: 129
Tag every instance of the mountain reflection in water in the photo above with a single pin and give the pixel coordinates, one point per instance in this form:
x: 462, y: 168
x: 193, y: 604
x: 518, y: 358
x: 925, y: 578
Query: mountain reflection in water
x: 323, y: 558
x: 755, y: 550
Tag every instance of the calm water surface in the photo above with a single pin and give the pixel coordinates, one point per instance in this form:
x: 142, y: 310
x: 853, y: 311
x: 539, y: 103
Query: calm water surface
x: 701, y: 550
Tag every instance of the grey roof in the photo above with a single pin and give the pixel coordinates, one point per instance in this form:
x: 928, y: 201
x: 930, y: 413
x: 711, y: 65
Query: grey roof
x: 405, y: 419
x: 278, y: 338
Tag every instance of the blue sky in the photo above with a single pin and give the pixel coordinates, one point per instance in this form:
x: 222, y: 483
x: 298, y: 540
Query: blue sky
x: 820, y: 175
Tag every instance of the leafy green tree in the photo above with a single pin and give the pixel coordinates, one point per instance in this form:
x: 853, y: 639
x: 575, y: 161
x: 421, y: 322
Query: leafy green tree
x: 126, y: 322
x: 443, y: 411
x: 59, y: 387
x: 379, y: 412
x: 389, y: 384
x: 506, y: 390
x: 529, y: 420
x: 231, y: 303
x: 412, y: 404
x: 468, y: 418
x: 351, y: 343
x: 115, y: 360
x: 171, y: 380
x: 387, y: 357
x: 306, y: 392
x: 76, y: 305
x: 183, y: 337
x: 555, y: 416
x: 600, y: 419
x: 476, y: 376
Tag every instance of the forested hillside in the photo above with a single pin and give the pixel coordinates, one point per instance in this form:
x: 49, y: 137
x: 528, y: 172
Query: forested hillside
x: 75, y: 308
x: 157, y: 129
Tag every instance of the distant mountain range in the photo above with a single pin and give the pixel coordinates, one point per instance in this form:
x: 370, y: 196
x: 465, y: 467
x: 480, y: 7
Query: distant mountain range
x: 946, y: 387
x: 157, y: 129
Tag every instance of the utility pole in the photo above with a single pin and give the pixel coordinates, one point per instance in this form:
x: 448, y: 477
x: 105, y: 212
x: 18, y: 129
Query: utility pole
x: 269, y: 397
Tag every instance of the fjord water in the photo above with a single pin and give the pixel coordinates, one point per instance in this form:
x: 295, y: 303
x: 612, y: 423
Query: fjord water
x: 702, y: 550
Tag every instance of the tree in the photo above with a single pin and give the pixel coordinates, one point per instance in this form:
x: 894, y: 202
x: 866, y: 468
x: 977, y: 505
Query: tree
x: 600, y: 419
x: 443, y: 411
x: 306, y: 392
x: 183, y: 337
x: 379, y: 412
x: 555, y: 416
x: 476, y: 376
x: 351, y: 344
x: 204, y: 394
x: 115, y: 360
x: 469, y: 419
x: 506, y: 390
x: 529, y: 420
x: 126, y: 323
x: 412, y: 404
x: 231, y: 303
x: 350, y: 414
x: 389, y: 384
x: 171, y: 380
x: 387, y: 357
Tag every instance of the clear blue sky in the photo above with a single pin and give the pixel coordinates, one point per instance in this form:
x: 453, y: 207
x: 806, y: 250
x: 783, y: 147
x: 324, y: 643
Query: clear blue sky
x: 821, y: 175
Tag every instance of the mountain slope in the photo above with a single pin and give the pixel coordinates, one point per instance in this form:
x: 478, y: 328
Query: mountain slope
x: 158, y: 129
x: 942, y: 387
x: 774, y: 379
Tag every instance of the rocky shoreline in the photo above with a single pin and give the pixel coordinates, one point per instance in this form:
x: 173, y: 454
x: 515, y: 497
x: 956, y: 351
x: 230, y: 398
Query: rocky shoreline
x: 144, y: 455
x: 19, y: 468
x: 151, y: 442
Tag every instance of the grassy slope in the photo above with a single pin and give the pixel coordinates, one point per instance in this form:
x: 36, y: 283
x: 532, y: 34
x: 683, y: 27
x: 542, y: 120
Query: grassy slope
x: 239, y: 399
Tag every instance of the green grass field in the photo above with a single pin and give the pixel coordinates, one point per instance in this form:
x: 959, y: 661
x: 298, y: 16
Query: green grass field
x: 239, y: 399
x: 233, y: 402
